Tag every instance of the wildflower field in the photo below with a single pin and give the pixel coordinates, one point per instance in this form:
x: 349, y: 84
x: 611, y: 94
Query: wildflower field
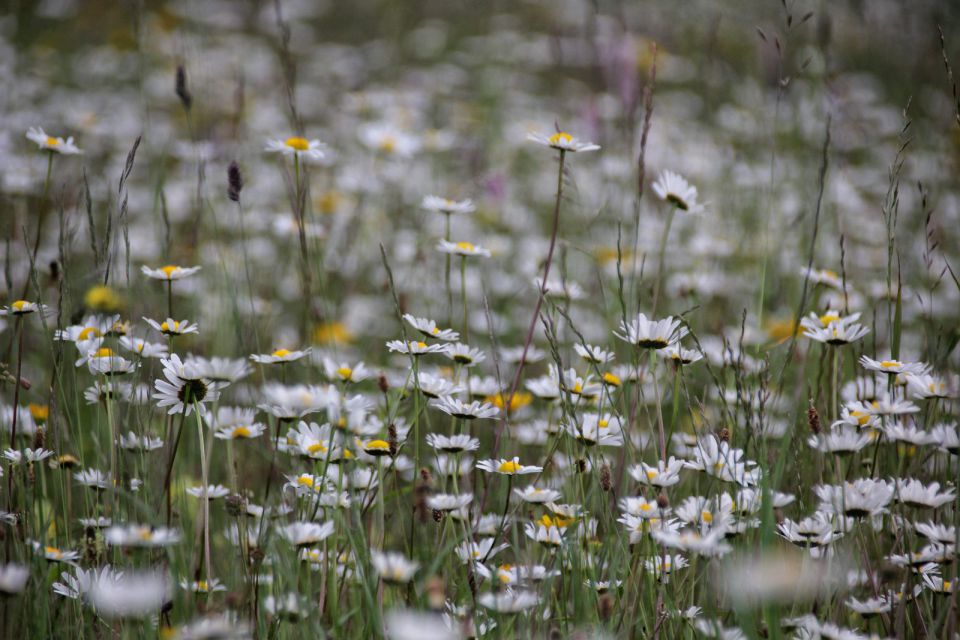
x: 437, y: 320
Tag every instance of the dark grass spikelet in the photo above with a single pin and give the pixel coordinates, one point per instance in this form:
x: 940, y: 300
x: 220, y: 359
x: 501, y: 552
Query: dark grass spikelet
x: 234, y: 181
x: 813, y: 419
x: 181, y: 87
x: 606, y: 481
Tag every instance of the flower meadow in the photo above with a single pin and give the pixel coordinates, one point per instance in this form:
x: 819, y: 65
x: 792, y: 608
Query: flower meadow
x: 479, y: 320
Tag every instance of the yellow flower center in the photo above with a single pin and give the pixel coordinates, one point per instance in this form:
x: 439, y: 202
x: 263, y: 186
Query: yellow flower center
x: 300, y: 144
x: 603, y: 423
x: 827, y: 318
x: 345, y: 372
x: 646, y: 506
x: 169, y: 270
x: 52, y: 142
x: 281, y: 353
x: 508, y: 466
x: 203, y: 586
x: 465, y: 246
x: 103, y: 352
x: 435, y: 331
x: 166, y: 326
x: 305, y: 481
x: 706, y: 516
x: 577, y: 388
x: 241, y: 432
x: 378, y: 445
x: 87, y: 333
x: 652, y: 473
x: 51, y: 551
x: 39, y: 411
x: 19, y: 304
x: 560, y: 137
x: 316, y: 447
x: 388, y: 144
x: 421, y: 345
x: 611, y: 379
x: 889, y: 364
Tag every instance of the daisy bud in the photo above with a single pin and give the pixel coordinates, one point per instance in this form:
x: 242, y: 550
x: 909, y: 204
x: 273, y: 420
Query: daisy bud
x: 181, y: 87
x: 234, y: 181
x: 437, y: 515
x: 392, y: 439
x: 663, y: 501
x: 256, y: 556
x: 813, y: 419
x: 605, y: 606
x: 235, y: 505
x: 581, y: 465
x: 606, y: 482
x: 38, y: 439
x: 724, y: 435
x: 382, y: 383
x: 25, y: 383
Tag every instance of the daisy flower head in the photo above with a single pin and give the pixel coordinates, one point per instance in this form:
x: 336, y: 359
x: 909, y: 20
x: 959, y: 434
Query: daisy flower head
x: 171, y: 327
x: 13, y: 578
x: 456, y: 443
x: 298, y: 147
x: 344, y: 371
x: 832, y: 329
x: 447, y: 206
x: 664, y: 474
x: 393, y: 567
x: 595, y: 355
x: 280, y: 356
x: 169, y: 272
x: 823, y: 276
x: 679, y: 356
x: 183, y: 389
x: 415, y: 348
x: 143, y: 348
x: 465, y: 410
x: 434, y: 386
x: 47, y: 142
x: 465, y: 249
x: 507, y: 467
x: 924, y: 386
x: 105, y: 361
x: 430, y: 329
x: 465, y: 355
x: 652, y: 334
x: 562, y: 141
x: 673, y: 188
x: 19, y: 308
x: 389, y: 140
x: 302, y: 534
x: 508, y: 600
